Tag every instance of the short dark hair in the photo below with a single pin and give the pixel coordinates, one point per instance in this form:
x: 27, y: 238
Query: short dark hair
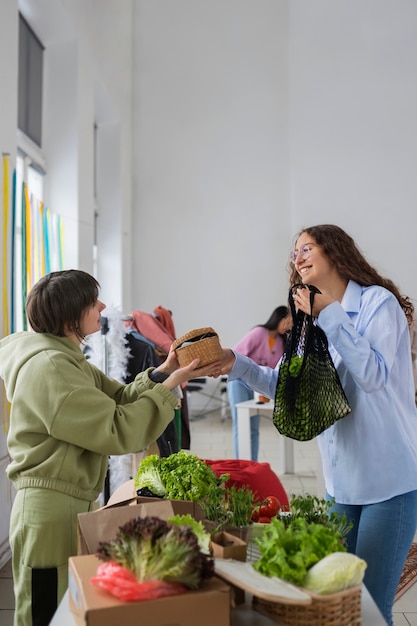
x: 56, y: 303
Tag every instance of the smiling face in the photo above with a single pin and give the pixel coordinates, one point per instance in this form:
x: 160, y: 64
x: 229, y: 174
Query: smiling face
x: 312, y: 265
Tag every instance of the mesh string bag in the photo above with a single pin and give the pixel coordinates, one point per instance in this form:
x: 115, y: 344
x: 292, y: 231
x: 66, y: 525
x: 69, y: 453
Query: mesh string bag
x: 309, y: 396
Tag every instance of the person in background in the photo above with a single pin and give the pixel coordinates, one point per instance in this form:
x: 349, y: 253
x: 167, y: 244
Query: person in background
x: 265, y: 345
x: 370, y: 456
x: 66, y: 418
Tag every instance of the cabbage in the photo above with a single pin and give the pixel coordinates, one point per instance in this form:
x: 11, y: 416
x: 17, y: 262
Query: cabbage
x: 335, y: 572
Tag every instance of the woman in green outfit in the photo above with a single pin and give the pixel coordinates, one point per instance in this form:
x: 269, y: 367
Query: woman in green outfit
x: 66, y: 418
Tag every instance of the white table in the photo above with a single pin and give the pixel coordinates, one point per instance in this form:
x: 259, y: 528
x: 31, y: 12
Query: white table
x: 286, y: 445
x: 242, y: 615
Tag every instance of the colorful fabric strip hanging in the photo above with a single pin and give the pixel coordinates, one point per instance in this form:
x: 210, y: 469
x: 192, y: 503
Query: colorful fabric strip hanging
x: 61, y: 242
x: 6, y: 312
x: 12, y: 257
x: 5, y: 244
x: 23, y: 277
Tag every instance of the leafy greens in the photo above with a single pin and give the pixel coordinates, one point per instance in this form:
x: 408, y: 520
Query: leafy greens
x: 289, y: 550
x: 180, y: 476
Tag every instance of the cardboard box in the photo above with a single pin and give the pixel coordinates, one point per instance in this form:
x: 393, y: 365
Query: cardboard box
x: 126, y: 494
x: 241, y: 532
x: 95, y: 607
x: 103, y: 524
x: 227, y: 546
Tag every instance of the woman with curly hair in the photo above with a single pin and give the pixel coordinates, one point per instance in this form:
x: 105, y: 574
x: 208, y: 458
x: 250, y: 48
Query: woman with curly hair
x: 369, y: 457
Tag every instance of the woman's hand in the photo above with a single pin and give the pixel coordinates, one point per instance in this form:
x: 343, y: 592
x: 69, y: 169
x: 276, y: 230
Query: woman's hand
x: 302, y: 301
x: 215, y: 369
x: 227, y: 362
x: 190, y: 371
x: 178, y: 375
x: 170, y: 364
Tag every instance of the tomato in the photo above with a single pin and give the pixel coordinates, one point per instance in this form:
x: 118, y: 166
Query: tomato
x: 264, y: 520
x: 255, y: 515
x: 269, y: 507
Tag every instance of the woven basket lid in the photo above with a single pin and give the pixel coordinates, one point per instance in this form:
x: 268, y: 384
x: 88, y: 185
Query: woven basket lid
x: 200, y: 343
x: 192, y: 334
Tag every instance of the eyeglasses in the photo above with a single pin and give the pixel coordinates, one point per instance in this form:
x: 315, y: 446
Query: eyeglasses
x: 304, y: 252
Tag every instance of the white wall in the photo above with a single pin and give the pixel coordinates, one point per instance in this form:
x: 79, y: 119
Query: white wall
x: 254, y: 119
x: 240, y: 121
x: 353, y: 125
x: 211, y: 214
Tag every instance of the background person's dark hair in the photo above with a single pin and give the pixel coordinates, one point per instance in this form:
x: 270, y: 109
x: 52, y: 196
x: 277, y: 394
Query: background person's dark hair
x: 278, y: 314
x: 57, y: 302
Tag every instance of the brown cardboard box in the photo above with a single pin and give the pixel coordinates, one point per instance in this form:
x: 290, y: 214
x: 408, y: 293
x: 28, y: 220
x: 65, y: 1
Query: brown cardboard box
x: 102, y: 525
x: 242, y: 532
x: 227, y: 546
x: 94, y: 607
x: 126, y: 494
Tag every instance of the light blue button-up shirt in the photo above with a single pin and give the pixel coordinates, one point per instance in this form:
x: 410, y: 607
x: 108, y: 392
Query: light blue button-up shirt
x: 371, y: 454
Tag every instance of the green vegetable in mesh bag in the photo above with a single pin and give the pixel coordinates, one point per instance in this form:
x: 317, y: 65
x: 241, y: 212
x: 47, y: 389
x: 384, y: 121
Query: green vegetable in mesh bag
x: 295, y: 364
x: 309, y: 396
x: 335, y: 572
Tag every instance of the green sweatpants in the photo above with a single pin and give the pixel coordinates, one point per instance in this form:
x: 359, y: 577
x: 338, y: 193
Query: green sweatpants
x: 43, y: 535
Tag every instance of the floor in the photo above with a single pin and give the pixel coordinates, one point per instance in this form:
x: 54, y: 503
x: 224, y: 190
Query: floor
x: 211, y: 438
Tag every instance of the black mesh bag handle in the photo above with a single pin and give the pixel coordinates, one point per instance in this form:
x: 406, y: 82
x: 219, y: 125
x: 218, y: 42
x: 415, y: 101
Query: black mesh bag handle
x: 309, y: 396
x: 299, y: 340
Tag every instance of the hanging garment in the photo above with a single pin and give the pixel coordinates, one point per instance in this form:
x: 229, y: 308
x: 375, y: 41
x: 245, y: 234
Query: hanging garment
x: 159, y: 329
x: 150, y: 327
x: 142, y: 356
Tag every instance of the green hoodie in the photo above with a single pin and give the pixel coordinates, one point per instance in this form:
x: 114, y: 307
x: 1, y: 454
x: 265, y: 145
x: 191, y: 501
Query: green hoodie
x: 67, y: 416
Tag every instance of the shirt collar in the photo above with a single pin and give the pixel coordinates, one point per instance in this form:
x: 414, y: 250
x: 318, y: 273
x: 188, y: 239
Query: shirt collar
x: 352, y: 297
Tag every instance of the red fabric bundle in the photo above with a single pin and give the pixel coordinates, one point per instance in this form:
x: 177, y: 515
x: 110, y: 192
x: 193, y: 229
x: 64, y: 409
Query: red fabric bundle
x: 259, y: 477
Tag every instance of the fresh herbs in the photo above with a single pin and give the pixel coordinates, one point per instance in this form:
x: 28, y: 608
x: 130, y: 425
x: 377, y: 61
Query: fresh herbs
x: 228, y: 506
x: 317, y: 510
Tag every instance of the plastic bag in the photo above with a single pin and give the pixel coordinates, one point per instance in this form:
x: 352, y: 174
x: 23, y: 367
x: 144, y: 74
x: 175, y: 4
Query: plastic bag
x: 122, y: 584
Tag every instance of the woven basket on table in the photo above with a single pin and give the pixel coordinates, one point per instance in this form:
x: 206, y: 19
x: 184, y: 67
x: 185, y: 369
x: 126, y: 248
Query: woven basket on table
x: 337, y: 609
x: 201, y: 343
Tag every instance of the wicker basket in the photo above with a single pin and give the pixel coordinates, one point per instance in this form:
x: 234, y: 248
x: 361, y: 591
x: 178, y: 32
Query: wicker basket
x: 201, y: 343
x: 337, y: 609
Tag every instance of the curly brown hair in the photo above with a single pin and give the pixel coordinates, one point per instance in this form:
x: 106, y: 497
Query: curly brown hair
x: 349, y: 262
